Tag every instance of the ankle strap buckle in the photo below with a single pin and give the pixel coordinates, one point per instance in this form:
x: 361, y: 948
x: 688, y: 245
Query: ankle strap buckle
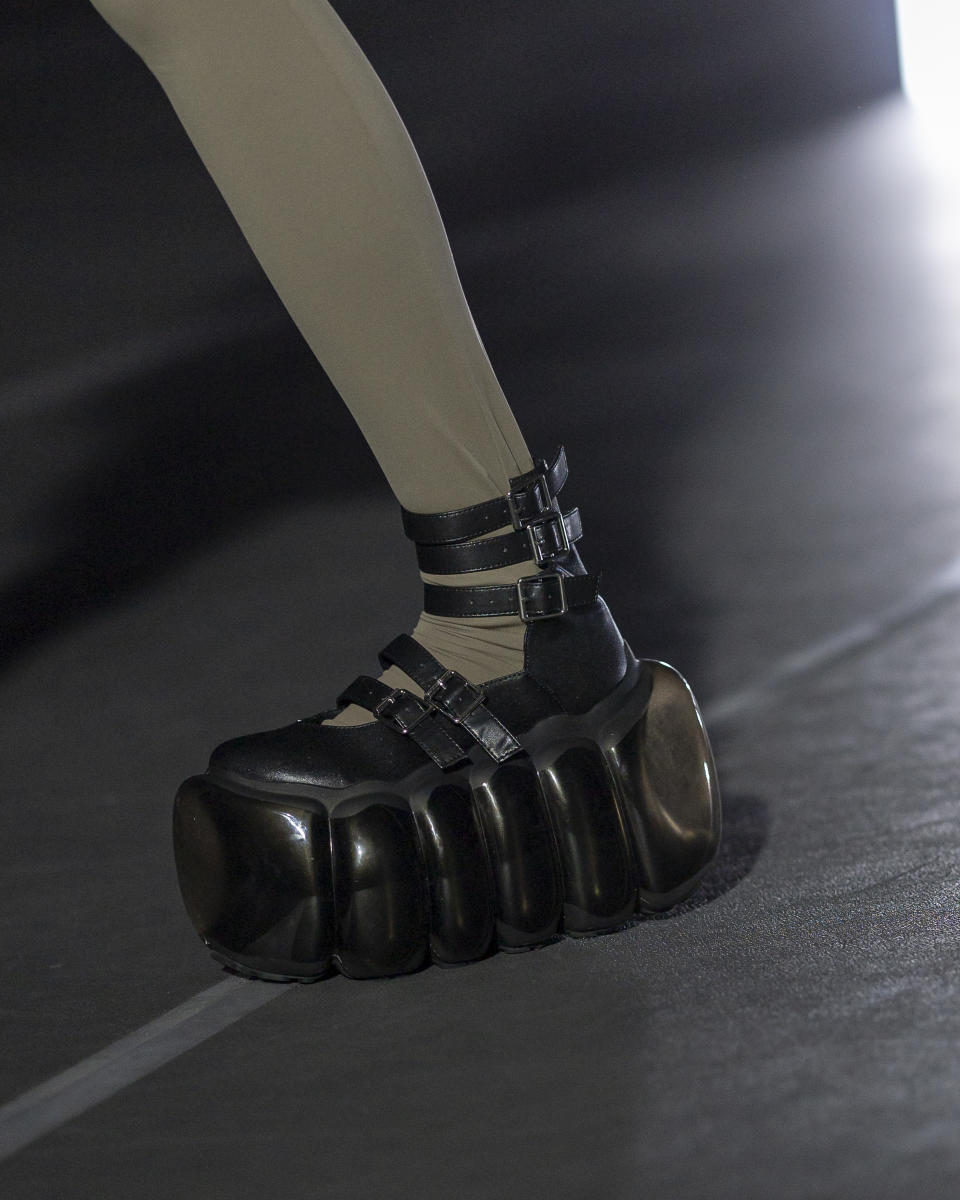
x: 399, y: 706
x: 454, y: 696
x: 538, y: 599
x: 548, y: 536
x: 533, y: 498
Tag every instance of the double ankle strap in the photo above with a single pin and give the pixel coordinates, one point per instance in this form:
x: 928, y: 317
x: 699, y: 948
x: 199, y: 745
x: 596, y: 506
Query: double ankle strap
x: 446, y: 545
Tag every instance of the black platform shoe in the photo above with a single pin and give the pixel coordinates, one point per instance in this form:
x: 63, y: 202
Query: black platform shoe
x: 565, y: 798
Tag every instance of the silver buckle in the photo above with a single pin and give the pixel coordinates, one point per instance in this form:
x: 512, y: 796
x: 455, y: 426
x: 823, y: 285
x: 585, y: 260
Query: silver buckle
x: 561, y: 542
x: 542, y: 579
x: 539, y: 489
x: 387, y: 707
x: 464, y: 685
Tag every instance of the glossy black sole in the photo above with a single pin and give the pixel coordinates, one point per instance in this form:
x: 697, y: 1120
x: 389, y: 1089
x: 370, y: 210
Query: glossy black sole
x: 605, y: 816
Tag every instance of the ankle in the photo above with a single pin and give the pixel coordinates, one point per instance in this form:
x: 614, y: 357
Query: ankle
x: 479, y: 648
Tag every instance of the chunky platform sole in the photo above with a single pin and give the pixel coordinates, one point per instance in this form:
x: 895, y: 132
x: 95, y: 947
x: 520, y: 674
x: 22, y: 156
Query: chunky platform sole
x: 605, y: 816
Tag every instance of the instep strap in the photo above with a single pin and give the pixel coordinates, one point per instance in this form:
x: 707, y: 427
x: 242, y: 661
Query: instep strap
x: 406, y: 713
x: 452, y: 695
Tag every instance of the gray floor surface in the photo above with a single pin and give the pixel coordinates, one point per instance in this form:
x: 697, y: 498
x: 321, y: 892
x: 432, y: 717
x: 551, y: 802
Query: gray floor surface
x: 753, y: 364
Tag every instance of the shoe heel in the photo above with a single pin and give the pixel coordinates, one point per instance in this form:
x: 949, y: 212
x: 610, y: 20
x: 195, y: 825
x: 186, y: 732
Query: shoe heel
x: 598, y: 869
x: 526, y: 871
x: 256, y: 881
x: 382, y: 910
x: 664, y: 771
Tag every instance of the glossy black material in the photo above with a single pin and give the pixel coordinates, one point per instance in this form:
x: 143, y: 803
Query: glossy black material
x: 526, y: 871
x: 256, y: 879
x: 605, y: 815
x: 669, y: 793
x: 380, y: 894
x: 462, y: 908
x: 599, y: 870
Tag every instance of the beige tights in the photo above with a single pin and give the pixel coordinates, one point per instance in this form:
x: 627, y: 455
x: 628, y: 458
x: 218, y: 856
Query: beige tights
x: 314, y: 162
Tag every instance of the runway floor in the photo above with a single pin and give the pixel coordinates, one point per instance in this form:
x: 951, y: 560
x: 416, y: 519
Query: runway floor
x: 753, y: 364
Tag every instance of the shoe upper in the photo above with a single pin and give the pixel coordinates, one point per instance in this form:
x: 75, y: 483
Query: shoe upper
x: 572, y: 659
x: 570, y: 663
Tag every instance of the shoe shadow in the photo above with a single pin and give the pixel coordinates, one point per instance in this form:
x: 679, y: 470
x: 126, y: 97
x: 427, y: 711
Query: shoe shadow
x: 746, y: 821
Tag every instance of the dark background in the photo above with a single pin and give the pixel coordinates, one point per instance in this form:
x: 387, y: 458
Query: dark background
x: 133, y: 435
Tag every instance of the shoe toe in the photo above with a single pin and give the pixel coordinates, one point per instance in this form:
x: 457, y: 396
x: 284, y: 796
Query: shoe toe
x: 316, y: 755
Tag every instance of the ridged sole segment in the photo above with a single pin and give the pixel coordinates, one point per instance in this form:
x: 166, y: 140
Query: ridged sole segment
x: 382, y: 916
x: 599, y: 872
x: 665, y: 776
x: 527, y: 888
x: 459, y: 876
x: 606, y: 815
x: 256, y: 880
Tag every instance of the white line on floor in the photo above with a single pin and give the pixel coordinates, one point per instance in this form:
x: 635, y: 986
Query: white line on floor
x: 73, y: 1091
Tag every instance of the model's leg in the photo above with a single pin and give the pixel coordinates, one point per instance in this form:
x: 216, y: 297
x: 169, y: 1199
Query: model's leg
x: 316, y: 165
x: 569, y: 795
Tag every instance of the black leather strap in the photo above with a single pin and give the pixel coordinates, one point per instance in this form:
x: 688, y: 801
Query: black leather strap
x: 452, y: 695
x: 403, y: 711
x: 540, y: 540
x: 530, y: 495
x: 533, y: 597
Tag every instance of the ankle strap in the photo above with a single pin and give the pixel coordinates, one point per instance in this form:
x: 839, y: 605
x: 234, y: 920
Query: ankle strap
x: 532, y: 598
x: 541, y: 534
x: 541, y: 539
x: 531, y: 495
